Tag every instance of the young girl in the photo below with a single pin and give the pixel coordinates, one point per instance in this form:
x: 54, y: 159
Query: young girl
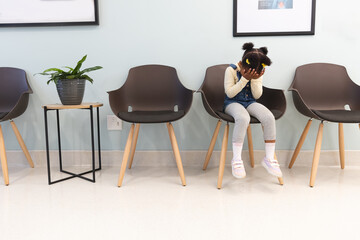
x: 243, y: 85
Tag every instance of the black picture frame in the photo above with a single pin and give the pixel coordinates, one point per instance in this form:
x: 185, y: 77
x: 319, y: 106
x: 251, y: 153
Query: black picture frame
x: 93, y: 21
x: 272, y: 32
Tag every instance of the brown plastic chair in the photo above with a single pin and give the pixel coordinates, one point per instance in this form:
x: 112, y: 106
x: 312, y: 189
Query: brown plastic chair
x: 321, y: 91
x: 213, y: 95
x: 14, y: 98
x: 151, y: 94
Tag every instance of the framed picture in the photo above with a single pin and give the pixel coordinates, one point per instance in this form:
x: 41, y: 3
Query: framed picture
x: 29, y: 13
x: 273, y: 17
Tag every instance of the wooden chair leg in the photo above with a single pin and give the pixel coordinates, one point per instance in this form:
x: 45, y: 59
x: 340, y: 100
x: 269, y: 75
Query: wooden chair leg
x: 223, y: 156
x: 21, y: 143
x: 300, y: 143
x: 212, y: 144
x: 280, y: 179
x: 341, y: 146
x: 251, y: 146
x: 316, y: 155
x: 126, y: 155
x: 176, y: 152
x: 133, y: 145
x: 3, y: 158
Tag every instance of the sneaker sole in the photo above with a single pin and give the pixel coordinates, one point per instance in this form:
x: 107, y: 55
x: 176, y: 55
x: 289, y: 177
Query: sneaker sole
x: 269, y: 171
x: 236, y: 176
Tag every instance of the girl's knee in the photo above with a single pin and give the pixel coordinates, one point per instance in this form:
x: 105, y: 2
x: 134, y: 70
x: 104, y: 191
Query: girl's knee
x: 269, y: 119
x: 242, y: 119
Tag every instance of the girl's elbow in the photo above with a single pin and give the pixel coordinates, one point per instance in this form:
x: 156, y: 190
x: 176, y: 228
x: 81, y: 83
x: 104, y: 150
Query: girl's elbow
x: 229, y: 95
x: 257, y: 95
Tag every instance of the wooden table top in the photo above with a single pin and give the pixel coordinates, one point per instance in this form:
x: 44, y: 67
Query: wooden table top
x: 82, y: 105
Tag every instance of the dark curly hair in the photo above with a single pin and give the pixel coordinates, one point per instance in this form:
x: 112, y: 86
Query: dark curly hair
x: 255, y: 58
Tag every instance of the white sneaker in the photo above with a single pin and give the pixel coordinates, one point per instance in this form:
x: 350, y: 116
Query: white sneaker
x: 238, y: 169
x: 272, y: 166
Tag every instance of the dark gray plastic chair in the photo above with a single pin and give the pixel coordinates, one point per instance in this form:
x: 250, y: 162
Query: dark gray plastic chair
x: 151, y: 94
x: 213, y: 95
x: 14, y: 98
x: 321, y: 91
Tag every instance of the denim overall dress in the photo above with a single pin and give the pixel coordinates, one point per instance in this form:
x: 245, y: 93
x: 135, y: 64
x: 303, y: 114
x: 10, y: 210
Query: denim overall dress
x: 244, y: 97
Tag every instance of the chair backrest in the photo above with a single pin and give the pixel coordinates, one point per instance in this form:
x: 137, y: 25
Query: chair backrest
x: 154, y: 88
x: 13, y: 83
x: 323, y: 86
x: 213, y: 87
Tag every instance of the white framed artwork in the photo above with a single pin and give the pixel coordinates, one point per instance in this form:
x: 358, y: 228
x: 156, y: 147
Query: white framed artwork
x: 22, y: 13
x: 273, y: 17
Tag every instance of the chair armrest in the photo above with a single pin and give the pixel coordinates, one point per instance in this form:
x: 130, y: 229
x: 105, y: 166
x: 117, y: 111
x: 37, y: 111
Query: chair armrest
x: 355, y: 97
x: 117, y: 100
x: 19, y: 107
x: 273, y: 99
x: 300, y: 104
x: 186, y: 100
x: 206, y: 104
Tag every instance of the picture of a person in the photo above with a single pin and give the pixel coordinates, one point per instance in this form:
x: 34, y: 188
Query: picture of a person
x: 275, y: 4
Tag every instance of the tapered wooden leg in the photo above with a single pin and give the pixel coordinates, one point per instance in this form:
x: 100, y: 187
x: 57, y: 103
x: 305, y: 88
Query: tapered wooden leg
x: 126, y: 155
x: 22, y: 144
x: 341, y: 146
x: 316, y: 155
x: 176, y: 152
x: 223, y: 156
x: 300, y: 143
x: 280, y: 179
x: 3, y: 158
x: 212, y: 144
x: 133, y: 145
x: 251, y: 146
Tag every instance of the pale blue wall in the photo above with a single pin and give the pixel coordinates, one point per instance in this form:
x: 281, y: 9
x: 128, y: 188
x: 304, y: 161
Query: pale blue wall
x: 189, y: 35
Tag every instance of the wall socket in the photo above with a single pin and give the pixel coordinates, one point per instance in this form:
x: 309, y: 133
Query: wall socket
x: 113, y: 122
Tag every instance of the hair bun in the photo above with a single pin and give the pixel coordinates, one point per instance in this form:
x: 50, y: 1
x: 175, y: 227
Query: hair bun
x: 264, y: 50
x: 248, y: 46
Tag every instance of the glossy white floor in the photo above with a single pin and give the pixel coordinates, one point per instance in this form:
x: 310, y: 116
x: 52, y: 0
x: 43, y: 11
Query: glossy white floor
x: 152, y: 204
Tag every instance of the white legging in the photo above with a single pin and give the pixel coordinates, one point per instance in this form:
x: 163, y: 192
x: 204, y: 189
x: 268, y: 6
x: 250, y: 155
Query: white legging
x: 242, y: 120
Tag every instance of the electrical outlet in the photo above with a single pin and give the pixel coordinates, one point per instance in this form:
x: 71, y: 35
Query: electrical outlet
x: 113, y: 123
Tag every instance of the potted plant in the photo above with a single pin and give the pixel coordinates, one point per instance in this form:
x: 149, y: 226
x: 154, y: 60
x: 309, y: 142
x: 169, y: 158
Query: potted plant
x: 70, y: 84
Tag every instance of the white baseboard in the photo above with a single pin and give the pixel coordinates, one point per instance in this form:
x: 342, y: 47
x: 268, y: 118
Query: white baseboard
x: 166, y: 158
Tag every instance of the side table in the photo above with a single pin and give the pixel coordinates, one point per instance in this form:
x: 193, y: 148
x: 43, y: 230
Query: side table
x: 57, y: 108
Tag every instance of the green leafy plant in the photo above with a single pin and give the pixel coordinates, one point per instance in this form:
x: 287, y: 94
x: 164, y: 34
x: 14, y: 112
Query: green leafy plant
x: 73, y: 73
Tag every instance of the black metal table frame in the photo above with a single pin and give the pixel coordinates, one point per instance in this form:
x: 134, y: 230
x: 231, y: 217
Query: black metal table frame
x: 79, y: 175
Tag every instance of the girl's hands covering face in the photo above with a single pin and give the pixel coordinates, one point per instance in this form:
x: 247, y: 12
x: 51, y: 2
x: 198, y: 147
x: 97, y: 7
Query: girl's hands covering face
x: 251, y: 73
